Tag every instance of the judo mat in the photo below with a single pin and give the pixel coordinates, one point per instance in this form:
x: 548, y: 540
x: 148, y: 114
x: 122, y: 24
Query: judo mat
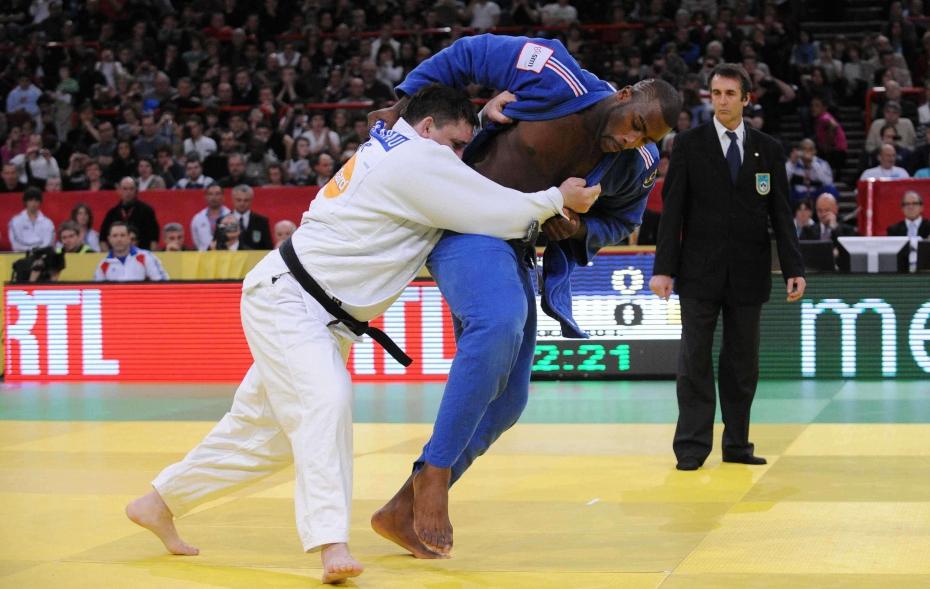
x: 582, y: 493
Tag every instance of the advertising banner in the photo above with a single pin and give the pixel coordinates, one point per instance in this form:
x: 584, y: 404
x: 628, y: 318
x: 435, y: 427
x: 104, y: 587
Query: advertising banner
x: 847, y: 326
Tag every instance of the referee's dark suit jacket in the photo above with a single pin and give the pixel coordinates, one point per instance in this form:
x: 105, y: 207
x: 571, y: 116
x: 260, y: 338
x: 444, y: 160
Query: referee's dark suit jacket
x: 714, y: 240
x: 258, y: 233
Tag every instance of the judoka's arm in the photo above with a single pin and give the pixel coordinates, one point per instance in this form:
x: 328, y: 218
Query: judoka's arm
x: 450, y: 195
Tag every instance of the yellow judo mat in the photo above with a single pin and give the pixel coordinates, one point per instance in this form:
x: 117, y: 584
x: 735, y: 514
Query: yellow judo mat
x: 582, y: 493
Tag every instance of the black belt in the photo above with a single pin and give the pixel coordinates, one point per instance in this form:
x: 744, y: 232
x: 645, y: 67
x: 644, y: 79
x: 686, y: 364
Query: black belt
x: 333, y: 308
x: 525, y: 248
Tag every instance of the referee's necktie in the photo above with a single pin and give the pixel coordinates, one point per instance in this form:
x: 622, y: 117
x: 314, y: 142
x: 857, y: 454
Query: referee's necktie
x: 733, y: 159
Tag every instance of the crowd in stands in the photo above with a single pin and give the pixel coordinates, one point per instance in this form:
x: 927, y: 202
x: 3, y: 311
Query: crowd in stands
x: 183, y: 94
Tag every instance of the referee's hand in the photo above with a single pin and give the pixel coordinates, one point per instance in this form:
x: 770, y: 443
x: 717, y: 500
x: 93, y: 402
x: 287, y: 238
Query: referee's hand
x: 795, y: 287
x: 661, y: 285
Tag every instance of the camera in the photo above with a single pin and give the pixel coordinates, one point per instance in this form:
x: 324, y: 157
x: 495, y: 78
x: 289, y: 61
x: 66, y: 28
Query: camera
x: 46, y: 261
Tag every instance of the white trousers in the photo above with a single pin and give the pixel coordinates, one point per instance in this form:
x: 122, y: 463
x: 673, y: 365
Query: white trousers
x: 294, y: 405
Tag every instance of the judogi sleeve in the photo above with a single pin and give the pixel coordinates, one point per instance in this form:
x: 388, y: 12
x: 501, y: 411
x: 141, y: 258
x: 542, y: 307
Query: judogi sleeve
x: 619, y: 210
x: 447, y: 194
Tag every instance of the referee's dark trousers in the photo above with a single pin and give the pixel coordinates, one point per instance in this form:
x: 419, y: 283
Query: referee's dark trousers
x: 738, y: 373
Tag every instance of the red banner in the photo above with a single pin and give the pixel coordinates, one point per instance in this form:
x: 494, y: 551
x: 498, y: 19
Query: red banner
x: 880, y: 203
x: 171, y: 206
x: 188, y: 332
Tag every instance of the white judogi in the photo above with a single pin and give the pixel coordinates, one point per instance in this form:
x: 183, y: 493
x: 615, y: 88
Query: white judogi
x: 363, y: 239
x: 140, y: 264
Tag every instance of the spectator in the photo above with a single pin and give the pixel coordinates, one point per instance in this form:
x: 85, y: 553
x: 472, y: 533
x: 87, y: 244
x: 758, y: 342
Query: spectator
x: 148, y: 179
x: 320, y: 136
x: 903, y: 127
x: 203, y: 224
x: 809, y: 175
x: 282, y: 230
x: 803, y: 216
x: 355, y: 92
x: 275, y: 174
x: 84, y: 217
x: 890, y: 137
x: 829, y: 135
x: 94, y: 180
x: 174, y: 237
x: 559, y: 13
x: 216, y: 164
x: 24, y: 97
x: 148, y: 143
x: 894, y: 93
x: 194, y: 178
x: 324, y: 167
x: 170, y: 170
x: 226, y: 237
x: 885, y: 168
x: 236, y: 166
x: 828, y: 226
x: 135, y: 212
x: 913, y: 225
x: 30, y: 229
x: 298, y: 161
x: 10, y: 179
x: 125, y: 262
x: 105, y: 147
x: 256, y: 233
x: 69, y: 239
x: 197, y: 142
x: 124, y: 162
x: 15, y: 144
x: 53, y: 184
x: 37, y: 164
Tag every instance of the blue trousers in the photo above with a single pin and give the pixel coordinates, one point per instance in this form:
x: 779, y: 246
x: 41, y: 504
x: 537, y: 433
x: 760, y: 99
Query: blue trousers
x: 493, y: 306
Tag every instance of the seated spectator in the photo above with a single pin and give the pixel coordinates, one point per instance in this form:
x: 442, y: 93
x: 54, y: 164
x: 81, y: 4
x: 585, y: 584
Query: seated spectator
x: 216, y: 164
x: 147, y: 178
x: 69, y: 239
x: 885, y: 168
x: 10, y: 179
x: 196, y: 141
x: 282, y: 230
x: 256, y: 232
x: 320, y: 136
x: 828, y: 226
x: 24, y: 97
x: 150, y: 140
x: 174, y: 237
x: 195, y: 177
x: 131, y: 210
x: 236, y: 166
x: 104, y: 148
x: 275, y: 174
x: 227, y: 235
x: 30, y: 229
x: 53, y: 184
x: 829, y: 135
x: 37, y: 164
x: 482, y: 14
x: 170, y: 170
x: 126, y: 262
x: 913, y: 225
x: 203, y: 224
x: 809, y: 175
x: 803, y: 215
x: 95, y: 181
x: 324, y: 166
x: 124, y: 162
x: 559, y: 13
x: 84, y: 217
x: 903, y: 127
x: 298, y: 161
x: 903, y: 157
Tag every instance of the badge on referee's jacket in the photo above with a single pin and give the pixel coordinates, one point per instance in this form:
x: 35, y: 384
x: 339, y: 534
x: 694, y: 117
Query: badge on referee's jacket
x: 763, y: 184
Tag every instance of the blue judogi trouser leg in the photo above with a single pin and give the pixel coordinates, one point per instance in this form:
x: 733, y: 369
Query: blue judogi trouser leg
x: 491, y: 298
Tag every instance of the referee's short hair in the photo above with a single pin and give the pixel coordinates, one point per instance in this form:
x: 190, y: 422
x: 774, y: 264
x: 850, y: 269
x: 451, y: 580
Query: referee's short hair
x: 446, y: 105
x: 734, y: 71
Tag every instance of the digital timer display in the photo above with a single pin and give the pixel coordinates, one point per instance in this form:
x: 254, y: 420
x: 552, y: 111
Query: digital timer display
x: 602, y: 358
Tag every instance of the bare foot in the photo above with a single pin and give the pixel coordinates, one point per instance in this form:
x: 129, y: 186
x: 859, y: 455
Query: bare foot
x: 394, y: 521
x: 431, y: 508
x: 338, y: 564
x: 150, y: 512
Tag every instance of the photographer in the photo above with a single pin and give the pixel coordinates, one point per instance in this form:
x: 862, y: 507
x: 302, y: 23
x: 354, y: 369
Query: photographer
x: 227, y: 235
x: 31, y: 229
x: 40, y: 265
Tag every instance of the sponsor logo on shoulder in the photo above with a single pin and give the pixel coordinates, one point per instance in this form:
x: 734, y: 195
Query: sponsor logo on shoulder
x: 533, y: 57
x: 651, y: 179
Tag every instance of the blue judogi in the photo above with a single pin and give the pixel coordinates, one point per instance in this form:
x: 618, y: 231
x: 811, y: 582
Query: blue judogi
x: 489, y: 290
